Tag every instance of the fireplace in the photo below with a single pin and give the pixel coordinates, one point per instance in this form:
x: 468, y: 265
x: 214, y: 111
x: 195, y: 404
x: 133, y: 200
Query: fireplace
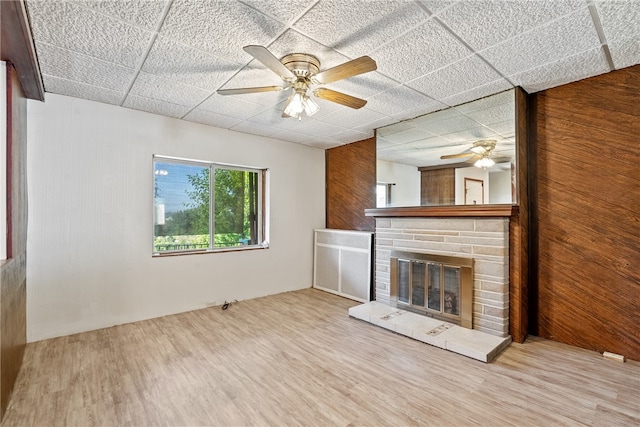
x: 433, y: 285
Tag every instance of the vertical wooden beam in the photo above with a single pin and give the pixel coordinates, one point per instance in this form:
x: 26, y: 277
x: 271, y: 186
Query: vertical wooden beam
x: 519, y: 230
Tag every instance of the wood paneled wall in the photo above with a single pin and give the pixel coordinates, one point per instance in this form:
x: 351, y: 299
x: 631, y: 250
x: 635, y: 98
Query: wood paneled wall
x: 351, y: 185
x: 13, y: 322
x: 438, y: 187
x: 588, y: 213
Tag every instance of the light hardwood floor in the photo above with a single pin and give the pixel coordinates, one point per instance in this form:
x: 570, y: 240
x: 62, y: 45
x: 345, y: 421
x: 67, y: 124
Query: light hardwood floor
x: 298, y: 359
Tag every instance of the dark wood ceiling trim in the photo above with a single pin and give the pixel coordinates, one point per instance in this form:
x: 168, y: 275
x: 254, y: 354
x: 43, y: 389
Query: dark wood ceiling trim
x: 17, y: 47
x: 445, y: 211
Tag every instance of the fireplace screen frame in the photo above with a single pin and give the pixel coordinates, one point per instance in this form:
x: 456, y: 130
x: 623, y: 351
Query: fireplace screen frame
x: 465, y: 266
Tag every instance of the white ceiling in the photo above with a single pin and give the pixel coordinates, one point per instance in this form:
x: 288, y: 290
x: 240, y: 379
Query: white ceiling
x: 169, y: 57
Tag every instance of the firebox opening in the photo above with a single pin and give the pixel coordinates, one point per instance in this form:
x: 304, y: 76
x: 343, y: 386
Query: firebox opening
x: 433, y: 285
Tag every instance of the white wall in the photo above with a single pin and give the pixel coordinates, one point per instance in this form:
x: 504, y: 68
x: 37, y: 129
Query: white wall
x: 500, y: 185
x: 90, y: 218
x: 473, y: 173
x: 406, y: 191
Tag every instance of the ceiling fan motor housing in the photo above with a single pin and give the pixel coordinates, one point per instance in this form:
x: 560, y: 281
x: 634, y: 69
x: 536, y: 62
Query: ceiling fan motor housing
x: 301, y: 64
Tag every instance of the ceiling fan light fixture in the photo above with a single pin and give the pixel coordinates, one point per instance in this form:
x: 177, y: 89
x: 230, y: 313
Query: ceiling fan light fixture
x: 484, y: 163
x: 295, y: 104
x: 310, y: 107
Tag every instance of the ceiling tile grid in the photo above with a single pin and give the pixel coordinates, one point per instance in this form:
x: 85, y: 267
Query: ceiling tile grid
x: 54, y: 84
x: 78, y: 29
x: 144, y: 13
x: 155, y: 106
x: 212, y: 119
x: 356, y: 28
x: 621, y: 23
x: 169, y: 57
x: 548, y: 43
x: 219, y: 27
x: 167, y: 90
x: 81, y: 68
x: 461, y: 76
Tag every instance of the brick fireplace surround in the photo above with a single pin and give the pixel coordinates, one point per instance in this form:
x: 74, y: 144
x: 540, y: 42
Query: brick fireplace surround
x: 486, y: 240
x: 480, y: 233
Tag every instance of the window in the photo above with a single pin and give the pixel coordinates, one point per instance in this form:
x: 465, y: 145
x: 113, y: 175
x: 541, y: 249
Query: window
x: 202, y: 206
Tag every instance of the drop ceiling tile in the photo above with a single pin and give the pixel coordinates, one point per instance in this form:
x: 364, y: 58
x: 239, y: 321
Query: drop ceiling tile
x: 505, y: 129
x: 398, y: 99
x: 558, y: 39
x: 61, y: 86
x: 219, y: 27
x: 357, y: 28
x: 155, y: 106
x: 291, y: 136
x: 315, y: 128
x: 621, y: 24
x: 167, y: 90
x: 349, y: 136
x: 437, y: 6
x: 285, y: 12
x: 324, y: 144
x: 254, y: 129
x: 506, y: 97
x: 364, y: 85
x: 454, y: 122
x: 381, y: 122
x: 419, y: 52
x: 73, y: 27
x: 479, y: 92
x: 231, y: 106
x: 418, y: 111
x: 411, y: 135
x: 75, y: 66
x: 494, y: 114
x: 212, y: 119
x: 573, y: 68
x: 350, y: 118
x: 146, y: 13
x: 483, y: 23
x: 464, y: 75
x: 188, y: 65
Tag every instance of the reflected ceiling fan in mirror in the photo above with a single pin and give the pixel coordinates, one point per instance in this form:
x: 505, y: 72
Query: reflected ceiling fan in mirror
x: 300, y: 72
x: 479, y: 153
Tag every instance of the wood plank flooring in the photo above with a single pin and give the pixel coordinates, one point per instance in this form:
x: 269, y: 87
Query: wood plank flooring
x: 298, y: 359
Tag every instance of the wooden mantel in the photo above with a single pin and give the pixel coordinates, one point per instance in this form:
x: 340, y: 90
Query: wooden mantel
x: 453, y: 211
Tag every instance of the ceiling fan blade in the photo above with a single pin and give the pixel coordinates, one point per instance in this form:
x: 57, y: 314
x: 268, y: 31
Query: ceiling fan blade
x: 263, y: 55
x: 243, y: 90
x: 339, y: 98
x: 361, y: 65
x: 456, y: 156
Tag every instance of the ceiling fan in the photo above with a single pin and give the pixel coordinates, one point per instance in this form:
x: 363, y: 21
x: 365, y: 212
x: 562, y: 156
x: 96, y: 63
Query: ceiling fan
x: 301, y: 71
x: 479, y: 153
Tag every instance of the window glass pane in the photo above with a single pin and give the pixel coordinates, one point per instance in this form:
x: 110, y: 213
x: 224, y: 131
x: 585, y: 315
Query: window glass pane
x: 418, y: 273
x: 235, y: 207
x: 403, y: 281
x: 181, y: 207
x: 433, y: 292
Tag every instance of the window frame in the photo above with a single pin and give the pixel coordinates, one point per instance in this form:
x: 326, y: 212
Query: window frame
x: 262, y: 207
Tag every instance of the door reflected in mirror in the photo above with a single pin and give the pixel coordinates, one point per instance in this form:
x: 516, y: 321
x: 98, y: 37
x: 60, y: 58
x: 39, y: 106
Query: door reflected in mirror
x: 426, y: 161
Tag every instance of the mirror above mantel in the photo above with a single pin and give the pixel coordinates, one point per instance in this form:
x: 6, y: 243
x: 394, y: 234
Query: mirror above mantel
x: 411, y: 170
